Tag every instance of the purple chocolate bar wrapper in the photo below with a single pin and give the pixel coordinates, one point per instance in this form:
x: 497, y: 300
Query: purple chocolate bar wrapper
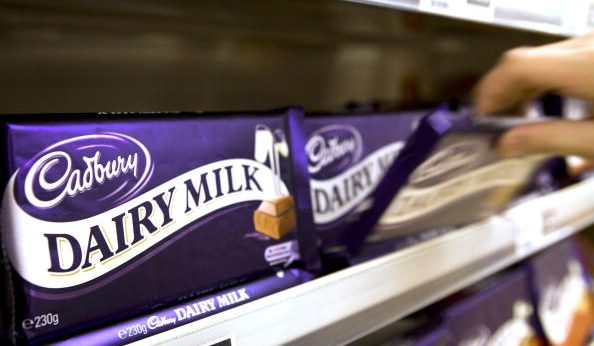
x: 439, y: 336
x: 447, y: 175
x: 499, y: 314
x: 559, y: 282
x: 348, y: 155
x: 129, y: 213
x: 190, y: 311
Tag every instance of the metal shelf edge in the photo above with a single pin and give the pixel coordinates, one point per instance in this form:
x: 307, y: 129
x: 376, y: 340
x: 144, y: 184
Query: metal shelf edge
x: 326, y: 310
x: 490, y: 19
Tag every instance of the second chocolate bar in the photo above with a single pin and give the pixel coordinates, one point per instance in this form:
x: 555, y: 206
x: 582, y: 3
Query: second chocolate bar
x: 348, y: 155
x: 448, y: 174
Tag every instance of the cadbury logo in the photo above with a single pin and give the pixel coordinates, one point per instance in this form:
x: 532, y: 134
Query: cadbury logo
x: 335, y: 146
x: 78, y: 165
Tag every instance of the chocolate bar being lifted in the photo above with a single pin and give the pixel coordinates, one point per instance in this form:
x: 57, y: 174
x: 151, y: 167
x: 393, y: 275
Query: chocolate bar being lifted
x: 448, y: 174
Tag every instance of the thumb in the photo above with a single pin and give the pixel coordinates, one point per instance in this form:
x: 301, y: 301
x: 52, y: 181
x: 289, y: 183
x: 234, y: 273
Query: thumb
x: 563, y: 137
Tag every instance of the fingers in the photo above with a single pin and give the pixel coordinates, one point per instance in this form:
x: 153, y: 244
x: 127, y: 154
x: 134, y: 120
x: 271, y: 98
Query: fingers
x: 574, y: 42
x: 506, y: 85
x: 552, y: 137
x: 522, y: 73
x: 564, y: 67
x: 578, y: 165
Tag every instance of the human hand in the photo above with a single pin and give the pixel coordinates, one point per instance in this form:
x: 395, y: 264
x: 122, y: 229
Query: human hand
x: 560, y: 137
x: 567, y: 68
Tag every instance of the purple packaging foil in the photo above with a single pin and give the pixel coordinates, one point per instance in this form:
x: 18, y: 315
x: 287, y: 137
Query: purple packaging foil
x: 189, y: 311
x: 102, y: 219
x: 439, y: 336
x: 348, y: 155
x: 564, y: 301
x: 447, y: 175
x: 499, y: 314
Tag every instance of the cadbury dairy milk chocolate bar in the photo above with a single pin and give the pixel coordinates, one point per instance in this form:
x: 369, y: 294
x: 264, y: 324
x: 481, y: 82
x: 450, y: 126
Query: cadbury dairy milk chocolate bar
x: 102, y: 219
x: 561, y: 285
x: 500, y: 313
x: 193, y: 310
x: 348, y: 155
x: 448, y: 174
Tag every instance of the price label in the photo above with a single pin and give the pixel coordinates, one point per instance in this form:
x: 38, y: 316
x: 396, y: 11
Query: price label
x: 483, y: 3
x: 550, y: 220
x: 438, y: 6
x: 478, y: 9
x: 483, y: 10
x: 528, y: 223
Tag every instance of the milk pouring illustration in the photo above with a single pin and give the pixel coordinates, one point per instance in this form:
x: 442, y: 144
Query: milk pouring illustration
x: 274, y: 217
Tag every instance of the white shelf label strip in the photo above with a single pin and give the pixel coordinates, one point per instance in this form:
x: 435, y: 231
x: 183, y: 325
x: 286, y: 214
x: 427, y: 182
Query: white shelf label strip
x: 484, y: 11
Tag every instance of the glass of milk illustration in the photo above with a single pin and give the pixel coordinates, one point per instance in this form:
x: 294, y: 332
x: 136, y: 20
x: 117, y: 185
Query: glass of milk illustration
x: 274, y: 217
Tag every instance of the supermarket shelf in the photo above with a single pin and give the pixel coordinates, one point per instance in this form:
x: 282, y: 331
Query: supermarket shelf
x: 356, y: 301
x: 558, y: 17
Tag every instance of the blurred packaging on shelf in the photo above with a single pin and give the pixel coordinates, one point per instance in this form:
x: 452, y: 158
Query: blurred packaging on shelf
x: 447, y: 175
x: 563, y: 294
x: 109, y: 215
x: 584, y: 241
x: 545, y: 300
x: 498, y: 311
x: 348, y: 155
x: 192, y: 310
